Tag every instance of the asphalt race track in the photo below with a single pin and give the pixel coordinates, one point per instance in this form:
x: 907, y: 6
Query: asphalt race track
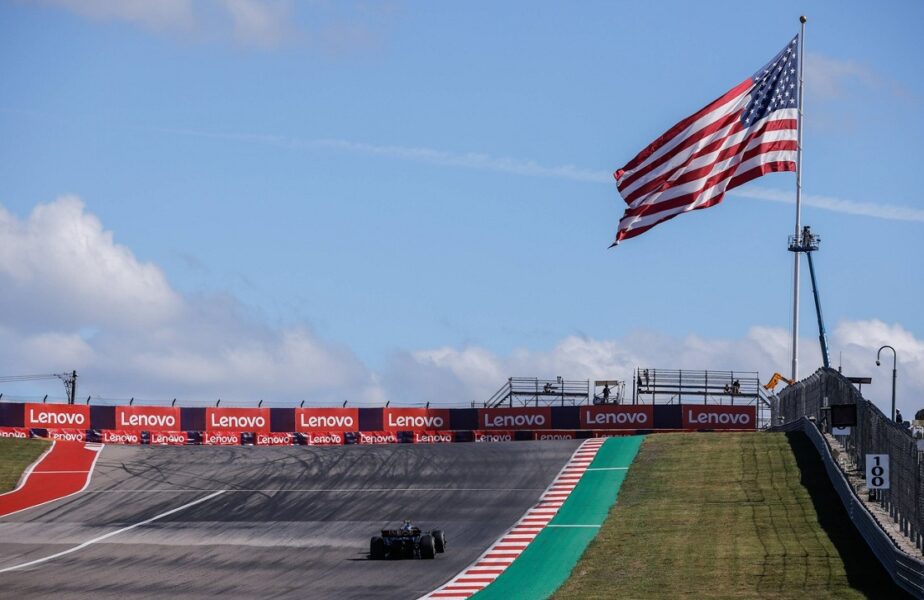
x: 292, y: 522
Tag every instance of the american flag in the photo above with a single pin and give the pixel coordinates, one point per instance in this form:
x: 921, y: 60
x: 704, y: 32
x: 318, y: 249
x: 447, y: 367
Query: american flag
x: 749, y: 131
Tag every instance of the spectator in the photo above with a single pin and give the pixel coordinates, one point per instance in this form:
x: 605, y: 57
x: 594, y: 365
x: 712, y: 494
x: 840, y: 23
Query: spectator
x: 606, y: 393
x: 898, y: 416
x: 736, y: 388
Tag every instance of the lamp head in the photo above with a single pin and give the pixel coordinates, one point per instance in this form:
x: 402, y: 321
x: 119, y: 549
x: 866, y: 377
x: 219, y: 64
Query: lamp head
x: 877, y: 362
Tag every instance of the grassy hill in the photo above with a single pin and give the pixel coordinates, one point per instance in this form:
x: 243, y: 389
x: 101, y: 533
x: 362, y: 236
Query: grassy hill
x: 728, y: 515
x: 15, y: 456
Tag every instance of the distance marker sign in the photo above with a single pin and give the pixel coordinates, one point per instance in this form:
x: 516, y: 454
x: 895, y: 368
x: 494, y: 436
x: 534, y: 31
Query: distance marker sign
x: 877, y: 471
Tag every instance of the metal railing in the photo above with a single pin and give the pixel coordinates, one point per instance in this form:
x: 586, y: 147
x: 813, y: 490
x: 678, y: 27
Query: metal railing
x: 907, y: 571
x: 675, y: 384
x: 532, y: 391
x: 874, y: 433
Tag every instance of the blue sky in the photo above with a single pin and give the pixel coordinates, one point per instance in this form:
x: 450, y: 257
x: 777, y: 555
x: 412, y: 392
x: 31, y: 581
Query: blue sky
x: 420, y: 194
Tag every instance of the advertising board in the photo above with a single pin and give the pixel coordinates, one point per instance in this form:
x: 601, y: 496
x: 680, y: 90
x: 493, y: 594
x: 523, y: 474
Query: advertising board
x: 535, y: 417
x: 147, y: 418
x: 611, y: 416
x: 716, y: 416
x: 409, y: 419
x: 237, y: 419
x: 66, y: 416
x: 317, y: 420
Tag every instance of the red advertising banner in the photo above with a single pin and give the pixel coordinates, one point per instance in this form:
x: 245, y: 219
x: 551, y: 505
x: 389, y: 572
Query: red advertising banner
x: 557, y: 434
x: 147, y: 418
x: 432, y: 437
x: 715, y: 416
x: 67, y: 435
x: 600, y: 433
x: 14, y: 432
x: 408, y: 419
x: 221, y: 438
x: 611, y: 416
x: 275, y: 439
x: 377, y: 437
x: 493, y: 436
x: 169, y: 438
x: 237, y: 419
x: 324, y: 438
x: 317, y: 420
x: 113, y: 436
x: 538, y: 417
x: 75, y: 416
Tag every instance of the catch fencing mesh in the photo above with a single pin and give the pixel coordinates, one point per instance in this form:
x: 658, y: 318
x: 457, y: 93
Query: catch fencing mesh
x: 875, y: 433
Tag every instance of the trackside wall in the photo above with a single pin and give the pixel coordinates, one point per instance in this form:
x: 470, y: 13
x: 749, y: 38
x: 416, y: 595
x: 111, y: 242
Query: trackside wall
x: 220, y: 425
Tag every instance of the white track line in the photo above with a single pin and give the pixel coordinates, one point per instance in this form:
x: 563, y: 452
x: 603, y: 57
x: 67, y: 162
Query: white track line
x: 501, y: 554
x: 111, y: 533
x: 98, y: 448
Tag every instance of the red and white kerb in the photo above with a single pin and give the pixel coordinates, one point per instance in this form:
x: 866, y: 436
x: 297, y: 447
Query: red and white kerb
x: 509, y: 546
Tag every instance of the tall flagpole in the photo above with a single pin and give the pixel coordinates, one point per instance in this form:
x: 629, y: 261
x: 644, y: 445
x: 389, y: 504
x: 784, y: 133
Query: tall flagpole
x: 795, y: 255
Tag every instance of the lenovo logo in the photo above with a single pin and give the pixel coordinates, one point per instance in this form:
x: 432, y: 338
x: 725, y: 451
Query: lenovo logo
x: 239, y: 422
x: 432, y: 438
x: 13, y: 433
x: 614, y: 418
x: 323, y: 439
x: 121, y: 437
x: 221, y: 438
x: 415, y: 422
x: 67, y: 436
x: 326, y: 421
x: 48, y: 417
x: 142, y: 420
x: 520, y: 420
x: 377, y: 438
x: 718, y: 418
x: 493, y: 437
x: 175, y: 437
x: 274, y: 439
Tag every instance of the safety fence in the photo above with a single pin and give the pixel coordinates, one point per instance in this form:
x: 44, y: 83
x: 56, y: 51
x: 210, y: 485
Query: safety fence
x: 193, y: 425
x: 906, y: 570
x: 874, y: 433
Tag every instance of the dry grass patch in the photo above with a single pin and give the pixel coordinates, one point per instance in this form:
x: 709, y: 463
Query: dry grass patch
x: 15, y: 456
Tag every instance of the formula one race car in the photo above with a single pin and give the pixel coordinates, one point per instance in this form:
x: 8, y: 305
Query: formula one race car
x: 407, y: 542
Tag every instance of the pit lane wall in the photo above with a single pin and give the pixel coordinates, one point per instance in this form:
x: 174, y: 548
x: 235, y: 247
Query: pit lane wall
x: 337, y: 426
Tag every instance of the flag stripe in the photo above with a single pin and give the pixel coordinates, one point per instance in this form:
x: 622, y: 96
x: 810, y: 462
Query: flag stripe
x: 721, y: 148
x: 677, y: 129
x: 749, y: 131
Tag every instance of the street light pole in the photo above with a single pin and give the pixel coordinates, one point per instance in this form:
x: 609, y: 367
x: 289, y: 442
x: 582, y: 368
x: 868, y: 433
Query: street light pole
x: 894, y: 372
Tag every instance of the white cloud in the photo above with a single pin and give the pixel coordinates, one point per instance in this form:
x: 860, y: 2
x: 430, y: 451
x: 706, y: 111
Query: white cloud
x: 75, y: 299
x: 259, y: 23
x: 469, y: 374
x: 891, y: 212
x: 829, y: 77
x: 334, y: 29
x: 157, y: 15
x: 61, y: 263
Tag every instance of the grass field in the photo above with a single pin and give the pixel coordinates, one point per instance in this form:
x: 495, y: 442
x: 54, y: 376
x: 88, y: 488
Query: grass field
x: 15, y: 456
x: 727, y: 515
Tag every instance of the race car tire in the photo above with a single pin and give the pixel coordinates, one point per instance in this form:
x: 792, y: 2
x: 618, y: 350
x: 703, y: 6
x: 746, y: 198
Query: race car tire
x: 377, y: 548
x: 439, y: 540
x: 427, y: 547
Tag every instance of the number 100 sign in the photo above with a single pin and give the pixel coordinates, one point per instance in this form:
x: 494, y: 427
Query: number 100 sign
x: 877, y: 471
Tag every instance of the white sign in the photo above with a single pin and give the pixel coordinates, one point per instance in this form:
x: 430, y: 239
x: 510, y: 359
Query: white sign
x: 841, y: 431
x: 877, y: 471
